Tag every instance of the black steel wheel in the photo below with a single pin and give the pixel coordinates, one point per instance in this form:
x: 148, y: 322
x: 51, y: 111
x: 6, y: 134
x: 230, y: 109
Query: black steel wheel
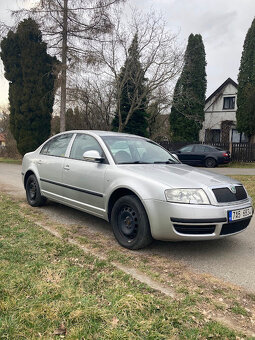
x: 210, y: 162
x: 33, y: 193
x: 130, y: 223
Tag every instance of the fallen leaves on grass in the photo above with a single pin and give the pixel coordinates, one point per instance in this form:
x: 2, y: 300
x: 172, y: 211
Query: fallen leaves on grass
x: 114, y: 321
x: 61, y: 330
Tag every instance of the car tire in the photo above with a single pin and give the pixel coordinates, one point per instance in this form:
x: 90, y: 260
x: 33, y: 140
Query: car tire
x: 210, y: 162
x: 33, y: 193
x: 130, y: 223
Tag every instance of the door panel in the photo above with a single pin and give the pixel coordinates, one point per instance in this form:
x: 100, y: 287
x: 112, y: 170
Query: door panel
x: 186, y: 155
x: 84, y: 180
x: 84, y: 184
x: 50, y: 164
x: 200, y: 152
x: 50, y: 172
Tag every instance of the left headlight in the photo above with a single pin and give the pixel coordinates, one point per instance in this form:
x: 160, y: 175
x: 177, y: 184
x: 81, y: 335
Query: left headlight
x: 188, y: 196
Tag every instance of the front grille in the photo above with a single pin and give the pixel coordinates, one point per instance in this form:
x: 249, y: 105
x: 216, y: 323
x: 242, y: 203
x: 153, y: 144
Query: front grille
x: 224, y: 195
x: 234, y: 227
x: 194, y: 229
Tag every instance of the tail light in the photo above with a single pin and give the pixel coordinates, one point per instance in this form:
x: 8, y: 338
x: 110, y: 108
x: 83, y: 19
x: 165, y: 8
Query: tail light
x: 225, y: 154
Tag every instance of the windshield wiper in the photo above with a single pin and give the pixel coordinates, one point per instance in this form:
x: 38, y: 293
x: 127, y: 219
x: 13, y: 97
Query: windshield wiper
x: 135, y: 162
x: 169, y: 161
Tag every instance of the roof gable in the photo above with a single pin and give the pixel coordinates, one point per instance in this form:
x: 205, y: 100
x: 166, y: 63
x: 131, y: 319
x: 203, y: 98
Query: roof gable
x: 226, y: 82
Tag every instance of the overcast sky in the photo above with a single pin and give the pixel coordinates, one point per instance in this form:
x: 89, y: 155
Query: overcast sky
x: 223, y: 25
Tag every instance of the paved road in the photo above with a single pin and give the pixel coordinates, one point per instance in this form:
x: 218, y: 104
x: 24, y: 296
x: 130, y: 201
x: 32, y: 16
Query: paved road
x: 231, y: 259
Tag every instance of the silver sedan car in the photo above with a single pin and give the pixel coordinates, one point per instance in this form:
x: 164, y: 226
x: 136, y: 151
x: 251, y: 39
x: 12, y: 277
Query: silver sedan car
x: 141, y: 188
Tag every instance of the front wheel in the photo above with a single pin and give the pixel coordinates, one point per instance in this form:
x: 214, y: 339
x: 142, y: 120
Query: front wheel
x: 33, y: 193
x: 130, y: 223
x: 210, y: 162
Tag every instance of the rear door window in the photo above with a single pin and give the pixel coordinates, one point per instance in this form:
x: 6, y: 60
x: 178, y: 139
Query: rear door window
x: 187, y: 148
x: 199, y: 148
x: 209, y: 149
x: 57, y: 146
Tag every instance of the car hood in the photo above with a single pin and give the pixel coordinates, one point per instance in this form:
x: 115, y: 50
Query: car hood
x: 179, y: 175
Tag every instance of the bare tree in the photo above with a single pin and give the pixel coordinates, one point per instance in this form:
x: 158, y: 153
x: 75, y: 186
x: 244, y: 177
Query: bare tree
x: 158, y: 113
x: 160, y: 56
x: 95, y: 100
x: 10, y: 149
x: 67, y: 27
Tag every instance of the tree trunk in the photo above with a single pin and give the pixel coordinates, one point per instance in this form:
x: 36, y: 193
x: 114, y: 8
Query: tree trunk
x: 63, y: 71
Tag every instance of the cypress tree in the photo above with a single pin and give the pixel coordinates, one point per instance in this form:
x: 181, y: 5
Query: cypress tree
x: 245, y: 114
x: 131, y: 84
x: 187, y: 112
x: 29, y: 70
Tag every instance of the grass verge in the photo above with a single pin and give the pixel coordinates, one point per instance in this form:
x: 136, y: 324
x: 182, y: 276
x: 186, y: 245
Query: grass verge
x: 239, y: 165
x: 10, y: 160
x: 249, y: 183
x: 50, y: 289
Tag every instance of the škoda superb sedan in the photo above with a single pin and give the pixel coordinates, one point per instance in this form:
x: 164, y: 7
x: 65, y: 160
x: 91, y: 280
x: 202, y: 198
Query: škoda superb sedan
x: 136, y: 185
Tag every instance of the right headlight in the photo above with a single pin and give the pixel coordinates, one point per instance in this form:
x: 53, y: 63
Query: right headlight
x: 188, y: 196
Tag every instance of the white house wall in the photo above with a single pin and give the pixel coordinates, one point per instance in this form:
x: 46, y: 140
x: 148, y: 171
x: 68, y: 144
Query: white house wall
x: 214, y: 113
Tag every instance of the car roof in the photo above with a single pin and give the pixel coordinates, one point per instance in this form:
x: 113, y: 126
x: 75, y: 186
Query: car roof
x: 103, y: 133
x: 211, y: 146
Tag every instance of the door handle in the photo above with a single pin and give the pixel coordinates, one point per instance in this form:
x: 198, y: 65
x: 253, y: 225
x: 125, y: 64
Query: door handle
x: 67, y: 167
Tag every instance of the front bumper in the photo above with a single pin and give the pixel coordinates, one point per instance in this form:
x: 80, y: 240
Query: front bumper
x: 176, y: 222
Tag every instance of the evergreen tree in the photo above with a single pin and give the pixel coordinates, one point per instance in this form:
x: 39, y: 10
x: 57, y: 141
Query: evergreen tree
x: 245, y: 114
x: 29, y: 70
x: 132, y: 95
x: 187, y: 112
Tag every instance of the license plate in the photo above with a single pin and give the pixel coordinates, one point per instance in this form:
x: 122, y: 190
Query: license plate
x: 239, y: 214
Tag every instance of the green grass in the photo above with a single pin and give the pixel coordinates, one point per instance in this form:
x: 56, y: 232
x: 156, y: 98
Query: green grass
x: 47, y: 284
x: 249, y: 183
x: 237, y: 309
x: 239, y: 165
x: 10, y: 160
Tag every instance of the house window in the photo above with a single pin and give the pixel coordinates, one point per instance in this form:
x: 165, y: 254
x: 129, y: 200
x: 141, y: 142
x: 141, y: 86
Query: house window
x: 212, y: 135
x: 228, y: 103
x: 238, y: 137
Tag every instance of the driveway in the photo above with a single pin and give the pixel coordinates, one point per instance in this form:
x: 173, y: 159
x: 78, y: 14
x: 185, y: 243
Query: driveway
x: 231, y: 259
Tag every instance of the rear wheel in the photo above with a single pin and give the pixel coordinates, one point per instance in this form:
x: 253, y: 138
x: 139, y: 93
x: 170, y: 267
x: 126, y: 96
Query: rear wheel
x: 130, y: 223
x: 210, y: 162
x: 33, y: 193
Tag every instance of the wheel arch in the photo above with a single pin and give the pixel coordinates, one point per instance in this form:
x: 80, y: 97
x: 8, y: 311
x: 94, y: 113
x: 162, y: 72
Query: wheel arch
x: 212, y: 157
x: 115, y: 195
x: 27, y: 174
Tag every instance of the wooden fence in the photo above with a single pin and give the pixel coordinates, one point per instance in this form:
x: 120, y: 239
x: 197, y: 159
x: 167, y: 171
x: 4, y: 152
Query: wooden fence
x: 240, y: 152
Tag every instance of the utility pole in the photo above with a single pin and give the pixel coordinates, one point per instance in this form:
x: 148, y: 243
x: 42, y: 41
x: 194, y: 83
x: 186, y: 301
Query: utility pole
x: 63, y: 71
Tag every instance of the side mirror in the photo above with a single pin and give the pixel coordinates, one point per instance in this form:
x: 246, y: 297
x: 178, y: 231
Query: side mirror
x: 175, y: 156
x: 93, y: 156
x: 178, y: 151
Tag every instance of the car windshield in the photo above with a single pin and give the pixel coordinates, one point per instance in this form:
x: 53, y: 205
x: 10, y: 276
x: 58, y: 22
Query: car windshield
x: 134, y: 150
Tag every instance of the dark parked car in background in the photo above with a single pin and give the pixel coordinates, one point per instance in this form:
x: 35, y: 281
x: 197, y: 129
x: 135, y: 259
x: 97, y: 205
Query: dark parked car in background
x: 205, y: 155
